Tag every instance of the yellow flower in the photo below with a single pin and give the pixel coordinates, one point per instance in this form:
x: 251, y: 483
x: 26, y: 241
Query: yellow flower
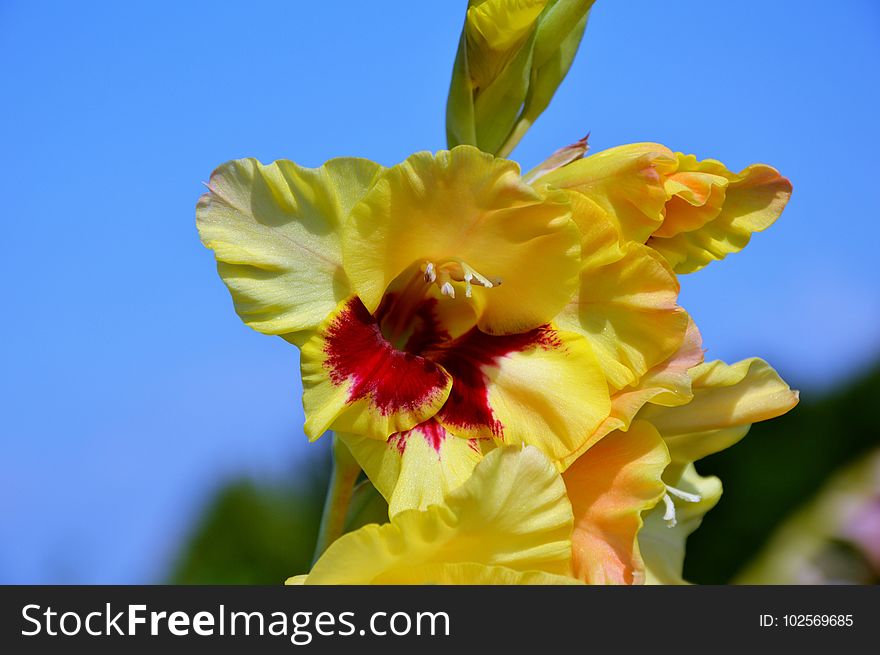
x: 692, y: 212
x: 503, y: 355
x: 443, y: 297
x: 445, y: 307
x: 512, y: 56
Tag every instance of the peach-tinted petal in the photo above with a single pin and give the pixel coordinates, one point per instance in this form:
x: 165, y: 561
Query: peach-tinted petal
x: 699, y: 230
x: 692, y: 212
x: 609, y: 486
x: 695, y: 199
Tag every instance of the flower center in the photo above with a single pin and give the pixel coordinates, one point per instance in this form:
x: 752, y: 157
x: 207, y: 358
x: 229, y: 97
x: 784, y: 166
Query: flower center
x: 409, y: 316
x: 456, y: 270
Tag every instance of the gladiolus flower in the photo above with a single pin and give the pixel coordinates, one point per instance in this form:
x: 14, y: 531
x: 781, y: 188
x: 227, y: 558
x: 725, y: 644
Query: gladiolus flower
x: 429, y: 298
x: 503, y: 355
x: 429, y: 338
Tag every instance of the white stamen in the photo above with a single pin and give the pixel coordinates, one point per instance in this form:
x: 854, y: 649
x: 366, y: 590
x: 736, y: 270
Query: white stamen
x: 669, y: 515
x: 453, y: 270
x: 430, y: 273
x: 471, y: 275
x: 684, y: 495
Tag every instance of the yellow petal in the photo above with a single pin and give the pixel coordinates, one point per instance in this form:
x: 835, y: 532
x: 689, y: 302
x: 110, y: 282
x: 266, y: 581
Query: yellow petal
x: 738, y: 205
x: 464, y: 207
x: 512, y: 512
x: 662, y: 546
x: 667, y: 383
x: 727, y: 400
x: 416, y: 468
x: 543, y: 387
x: 355, y: 381
x: 627, y: 182
x: 275, y: 231
x: 609, y: 486
x: 627, y: 301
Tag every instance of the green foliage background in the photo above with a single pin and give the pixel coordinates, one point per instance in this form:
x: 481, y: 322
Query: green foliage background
x: 261, y: 533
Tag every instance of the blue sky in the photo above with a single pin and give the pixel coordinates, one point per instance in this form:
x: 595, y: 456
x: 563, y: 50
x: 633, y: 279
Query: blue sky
x: 130, y: 389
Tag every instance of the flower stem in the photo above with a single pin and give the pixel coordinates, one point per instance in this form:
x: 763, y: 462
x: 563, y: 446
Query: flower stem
x: 342, y: 478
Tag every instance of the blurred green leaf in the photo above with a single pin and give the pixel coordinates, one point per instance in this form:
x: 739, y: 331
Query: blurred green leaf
x: 261, y: 533
x: 254, y: 533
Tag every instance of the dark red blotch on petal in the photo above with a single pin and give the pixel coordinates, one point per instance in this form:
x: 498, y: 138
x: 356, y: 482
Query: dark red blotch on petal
x: 466, y: 359
x: 357, y: 354
x: 434, y: 433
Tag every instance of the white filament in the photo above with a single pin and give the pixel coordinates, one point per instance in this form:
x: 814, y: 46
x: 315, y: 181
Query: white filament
x: 669, y: 514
